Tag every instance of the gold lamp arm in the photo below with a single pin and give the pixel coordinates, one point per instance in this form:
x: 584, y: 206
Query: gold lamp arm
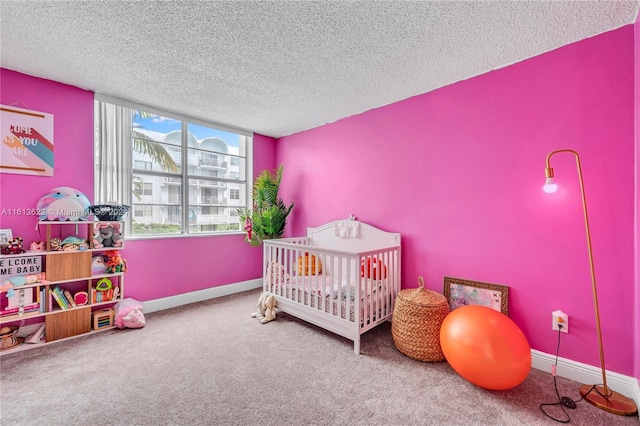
x: 548, y: 174
x: 600, y: 396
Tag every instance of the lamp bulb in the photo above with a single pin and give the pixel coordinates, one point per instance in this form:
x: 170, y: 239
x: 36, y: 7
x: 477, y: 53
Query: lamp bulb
x: 550, y: 186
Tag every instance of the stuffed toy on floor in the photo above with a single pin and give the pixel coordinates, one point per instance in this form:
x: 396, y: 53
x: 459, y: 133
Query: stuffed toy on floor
x: 266, y: 308
x: 128, y: 314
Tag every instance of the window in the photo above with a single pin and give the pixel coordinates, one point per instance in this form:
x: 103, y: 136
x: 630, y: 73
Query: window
x: 180, y: 175
x: 144, y: 165
x: 147, y: 188
x: 142, y: 210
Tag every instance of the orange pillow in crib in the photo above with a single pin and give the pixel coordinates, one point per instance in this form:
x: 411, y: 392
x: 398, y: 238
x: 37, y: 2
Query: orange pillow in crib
x: 373, y: 268
x: 309, y: 265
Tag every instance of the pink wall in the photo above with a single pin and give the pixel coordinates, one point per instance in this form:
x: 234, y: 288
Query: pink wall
x: 157, y: 268
x: 458, y: 171
x: 73, y: 147
x: 198, y: 263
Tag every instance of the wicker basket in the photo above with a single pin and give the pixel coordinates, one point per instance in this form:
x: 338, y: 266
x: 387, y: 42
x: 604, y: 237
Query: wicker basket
x: 9, y: 338
x: 417, y: 317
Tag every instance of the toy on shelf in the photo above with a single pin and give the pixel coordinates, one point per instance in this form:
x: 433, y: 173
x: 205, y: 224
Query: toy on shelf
x: 104, y: 291
x: 56, y: 244
x: 115, y: 263
x: 38, y: 246
x: 73, y: 244
x: 68, y: 244
x: 104, y: 284
x: 14, y: 246
x: 21, y: 280
x: 103, y: 318
x: 81, y: 298
x: 98, y: 265
x: 107, y: 235
x: 64, y: 203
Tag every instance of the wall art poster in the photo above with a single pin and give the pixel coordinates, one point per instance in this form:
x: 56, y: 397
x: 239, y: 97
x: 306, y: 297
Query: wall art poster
x: 459, y: 292
x: 27, y: 141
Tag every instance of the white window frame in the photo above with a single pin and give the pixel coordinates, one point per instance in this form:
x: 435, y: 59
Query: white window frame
x: 184, y: 173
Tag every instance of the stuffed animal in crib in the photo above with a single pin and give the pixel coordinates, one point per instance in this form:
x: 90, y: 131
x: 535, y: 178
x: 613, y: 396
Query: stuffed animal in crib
x: 266, y: 308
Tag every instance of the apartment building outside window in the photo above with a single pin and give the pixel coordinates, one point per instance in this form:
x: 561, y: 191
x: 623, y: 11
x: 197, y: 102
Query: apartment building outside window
x: 187, y: 176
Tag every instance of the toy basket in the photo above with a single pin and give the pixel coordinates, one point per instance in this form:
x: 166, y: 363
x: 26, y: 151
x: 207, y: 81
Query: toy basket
x: 109, y: 212
x: 417, y: 317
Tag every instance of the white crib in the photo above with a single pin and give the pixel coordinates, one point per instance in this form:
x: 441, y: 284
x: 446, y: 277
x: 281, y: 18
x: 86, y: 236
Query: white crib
x: 325, y: 279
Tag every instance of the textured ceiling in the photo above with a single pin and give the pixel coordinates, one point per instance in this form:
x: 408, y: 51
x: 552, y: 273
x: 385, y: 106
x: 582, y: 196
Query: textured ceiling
x: 277, y: 68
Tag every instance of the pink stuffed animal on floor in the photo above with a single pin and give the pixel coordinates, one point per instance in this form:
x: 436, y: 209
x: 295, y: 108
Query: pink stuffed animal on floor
x: 129, y: 314
x: 134, y: 319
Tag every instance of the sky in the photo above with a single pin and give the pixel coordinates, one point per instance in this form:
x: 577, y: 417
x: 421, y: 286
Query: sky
x: 166, y: 125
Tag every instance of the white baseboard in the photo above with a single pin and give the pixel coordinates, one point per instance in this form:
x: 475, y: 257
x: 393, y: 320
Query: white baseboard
x: 586, y: 374
x: 199, y: 296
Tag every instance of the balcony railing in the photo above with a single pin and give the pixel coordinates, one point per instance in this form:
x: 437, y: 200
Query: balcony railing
x: 209, y: 183
x: 210, y: 162
x: 211, y: 200
x: 173, y: 198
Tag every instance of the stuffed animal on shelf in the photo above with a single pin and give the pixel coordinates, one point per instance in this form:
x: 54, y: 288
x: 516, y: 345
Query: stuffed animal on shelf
x: 73, y: 244
x: 14, y: 246
x: 56, y: 244
x: 114, y: 262
x: 21, y: 280
x: 107, y: 235
x: 38, y: 246
x: 266, y: 308
x: 63, y: 203
x: 98, y: 265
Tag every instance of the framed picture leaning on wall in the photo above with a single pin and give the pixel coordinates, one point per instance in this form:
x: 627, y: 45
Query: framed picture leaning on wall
x: 460, y: 292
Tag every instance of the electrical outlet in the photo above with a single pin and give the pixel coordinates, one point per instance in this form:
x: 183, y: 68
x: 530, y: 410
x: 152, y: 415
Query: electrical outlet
x: 560, y: 317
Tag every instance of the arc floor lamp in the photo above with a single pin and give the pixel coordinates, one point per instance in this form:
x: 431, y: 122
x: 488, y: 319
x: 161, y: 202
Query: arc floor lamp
x: 599, y: 395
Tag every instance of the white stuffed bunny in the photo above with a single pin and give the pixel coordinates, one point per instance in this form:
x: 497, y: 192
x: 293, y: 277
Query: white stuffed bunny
x: 266, y: 308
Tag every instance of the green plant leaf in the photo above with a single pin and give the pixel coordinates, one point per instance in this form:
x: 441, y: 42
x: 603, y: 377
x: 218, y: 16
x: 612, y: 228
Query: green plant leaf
x: 268, y: 215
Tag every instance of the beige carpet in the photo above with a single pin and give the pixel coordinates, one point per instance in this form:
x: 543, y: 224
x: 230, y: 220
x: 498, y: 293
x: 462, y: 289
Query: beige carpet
x: 210, y: 363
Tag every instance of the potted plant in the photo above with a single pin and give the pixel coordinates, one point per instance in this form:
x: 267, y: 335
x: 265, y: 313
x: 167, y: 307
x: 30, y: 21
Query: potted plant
x: 267, y: 217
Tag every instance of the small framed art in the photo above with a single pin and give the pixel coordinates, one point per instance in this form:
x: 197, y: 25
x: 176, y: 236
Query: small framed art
x: 5, y: 237
x: 461, y: 292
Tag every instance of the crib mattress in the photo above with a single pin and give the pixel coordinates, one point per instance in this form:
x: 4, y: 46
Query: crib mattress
x: 372, y: 306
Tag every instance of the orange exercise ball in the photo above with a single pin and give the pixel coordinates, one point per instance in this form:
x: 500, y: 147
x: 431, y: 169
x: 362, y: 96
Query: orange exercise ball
x: 485, y: 347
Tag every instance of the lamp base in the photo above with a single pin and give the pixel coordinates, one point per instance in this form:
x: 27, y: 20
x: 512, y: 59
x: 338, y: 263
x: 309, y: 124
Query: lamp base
x: 615, y: 403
